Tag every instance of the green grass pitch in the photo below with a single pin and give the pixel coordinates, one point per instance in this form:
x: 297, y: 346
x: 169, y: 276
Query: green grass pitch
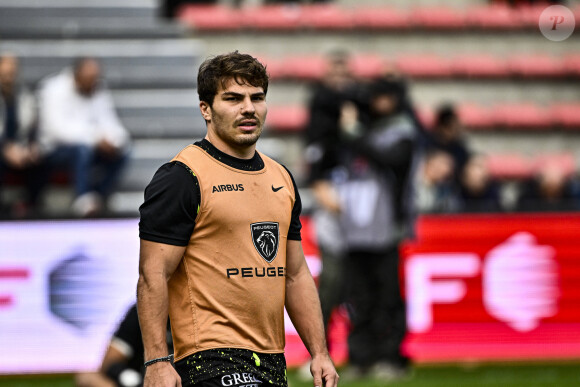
x: 504, y: 375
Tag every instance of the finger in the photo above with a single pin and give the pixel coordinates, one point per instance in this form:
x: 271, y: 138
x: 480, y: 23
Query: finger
x: 331, y: 380
x: 317, y: 374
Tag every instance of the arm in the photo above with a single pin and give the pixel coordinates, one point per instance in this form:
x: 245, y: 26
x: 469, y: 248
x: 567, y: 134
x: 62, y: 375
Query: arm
x: 157, y: 263
x: 303, y: 307
x: 100, y: 378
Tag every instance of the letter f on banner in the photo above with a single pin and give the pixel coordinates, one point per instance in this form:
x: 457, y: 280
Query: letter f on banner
x: 423, y: 289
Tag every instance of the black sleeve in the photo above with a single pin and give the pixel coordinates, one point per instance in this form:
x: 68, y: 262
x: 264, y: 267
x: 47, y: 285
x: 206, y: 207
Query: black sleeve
x: 130, y: 332
x: 295, y: 224
x: 171, y: 203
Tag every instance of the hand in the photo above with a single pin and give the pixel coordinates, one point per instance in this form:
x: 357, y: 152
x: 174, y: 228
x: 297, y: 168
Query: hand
x: 161, y: 374
x: 323, y: 371
x: 107, y: 149
x: 349, y: 123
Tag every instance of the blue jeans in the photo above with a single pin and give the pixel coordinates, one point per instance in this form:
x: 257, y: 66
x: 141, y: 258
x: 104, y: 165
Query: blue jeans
x: 88, y: 169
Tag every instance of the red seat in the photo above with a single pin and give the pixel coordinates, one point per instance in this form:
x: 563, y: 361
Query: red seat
x: 273, y: 17
x: 380, y: 18
x: 210, y: 17
x: 426, y: 116
x: 493, y: 17
x: 508, y: 166
x: 437, y: 18
x: 326, y: 16
x: 274, y: 67
x: 367, y: 65
x: 305, y: 67
x: 566, y: 115
x: 475, y: 116
x: 572, y: 65
x: 424, y: 66
x: 564, y: 162
x: 536, y: 66
x: 479, y: 65
x: 287, y: 118
x: 529, y: 15
x: 522, y: 116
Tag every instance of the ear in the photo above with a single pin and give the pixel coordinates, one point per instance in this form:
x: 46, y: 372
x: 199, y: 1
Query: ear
x: 205, y: 110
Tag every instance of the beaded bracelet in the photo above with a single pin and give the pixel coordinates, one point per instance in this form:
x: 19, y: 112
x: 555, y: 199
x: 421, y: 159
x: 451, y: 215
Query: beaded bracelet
x: 153, y: 361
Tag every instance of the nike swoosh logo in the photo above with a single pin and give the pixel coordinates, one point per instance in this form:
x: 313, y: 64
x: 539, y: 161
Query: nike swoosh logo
x: 276, y: 189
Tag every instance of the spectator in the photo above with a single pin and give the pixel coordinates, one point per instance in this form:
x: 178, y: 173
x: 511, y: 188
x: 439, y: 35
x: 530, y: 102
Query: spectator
x: 18, y: 153
x: 447, y: 135
x: 122, y: 364
x: 550, y: 190
x: 477, y: 191
x: 323, y: 154
x: 433, y: 189
x: 81, y: 133
x: 374, y: 170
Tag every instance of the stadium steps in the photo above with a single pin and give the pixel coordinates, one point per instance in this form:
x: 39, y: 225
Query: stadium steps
x: 128, y: 63
x: 69, y: 19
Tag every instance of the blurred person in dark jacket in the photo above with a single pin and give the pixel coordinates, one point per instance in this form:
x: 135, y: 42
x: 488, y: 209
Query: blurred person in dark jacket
x: 433, y: 189
x: 551, y: 189
x: 372, y: 181
x: 478, y: 192
x: 122, y: 363
x: 447, y: 135
x: 18, y: 149
x: 323, y: 154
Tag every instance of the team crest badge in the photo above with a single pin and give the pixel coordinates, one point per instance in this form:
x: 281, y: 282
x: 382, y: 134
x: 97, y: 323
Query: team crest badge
x: 265, y: 236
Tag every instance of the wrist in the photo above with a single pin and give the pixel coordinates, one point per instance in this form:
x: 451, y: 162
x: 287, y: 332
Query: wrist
x: 163, y: 359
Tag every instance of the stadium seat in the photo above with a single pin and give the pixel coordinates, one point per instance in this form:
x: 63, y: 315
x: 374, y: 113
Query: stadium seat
x: 326, y: 16
x: 572, y: 65
x: 287, y: 118
x: 521, y: 116
x: 367, y: 65
x: 475, y: 117
x: 508, y: 166
x: 493, y: 17
x: 564, y: 162
x: 529, y: 15
x: 424, y: 66
x: 272, y: 17
x: 479, y: 66
x: 274, y: 66
x: 536, y: 66
x: 304, y: 67
x: 566, y: 115
x: 376, y: 18
x: 440, y: 17
x: 210, y: 17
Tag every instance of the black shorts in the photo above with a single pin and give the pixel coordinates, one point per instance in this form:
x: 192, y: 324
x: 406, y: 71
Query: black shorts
x: 233, y: 367
x: 236, y: 379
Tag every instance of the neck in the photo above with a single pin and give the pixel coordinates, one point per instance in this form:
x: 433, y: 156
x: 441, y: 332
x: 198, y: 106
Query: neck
x: 241, y: 152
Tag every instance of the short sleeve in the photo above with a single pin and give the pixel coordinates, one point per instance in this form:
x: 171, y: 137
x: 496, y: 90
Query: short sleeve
x: 171, y: 203
x: 295, y: 224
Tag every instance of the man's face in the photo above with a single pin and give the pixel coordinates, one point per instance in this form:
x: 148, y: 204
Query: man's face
x: 87, y: 78
x: 237, y: 115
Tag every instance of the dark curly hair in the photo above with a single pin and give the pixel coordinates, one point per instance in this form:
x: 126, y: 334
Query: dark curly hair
x: 217, y: 70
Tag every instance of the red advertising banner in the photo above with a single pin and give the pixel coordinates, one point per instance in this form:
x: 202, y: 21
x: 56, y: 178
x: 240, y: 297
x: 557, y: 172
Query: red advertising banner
x: 493, y: 287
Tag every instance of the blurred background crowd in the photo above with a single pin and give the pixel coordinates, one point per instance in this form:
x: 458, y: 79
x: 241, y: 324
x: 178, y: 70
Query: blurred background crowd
x: 491, y: 105
x: 383, y: 111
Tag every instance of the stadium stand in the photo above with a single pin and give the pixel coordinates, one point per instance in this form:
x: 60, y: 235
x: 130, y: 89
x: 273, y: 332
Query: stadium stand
x: 516, y: 91
x: 149, y: 66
